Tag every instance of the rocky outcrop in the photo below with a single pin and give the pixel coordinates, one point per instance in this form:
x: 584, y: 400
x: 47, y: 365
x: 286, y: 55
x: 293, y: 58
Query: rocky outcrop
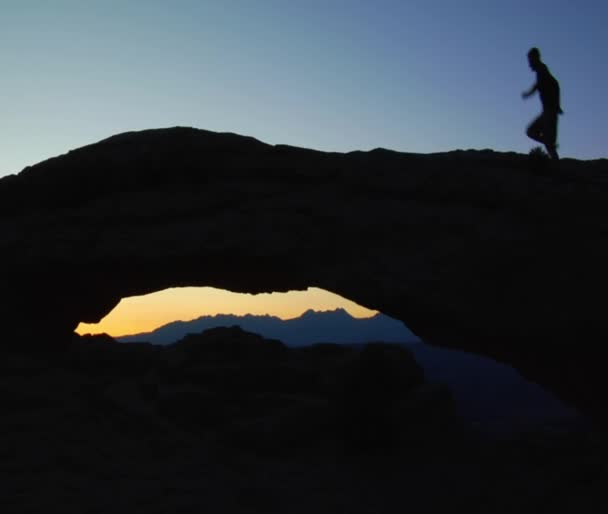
x: 258, y: 391
x: 494, y: 253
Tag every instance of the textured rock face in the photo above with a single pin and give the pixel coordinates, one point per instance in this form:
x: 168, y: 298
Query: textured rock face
x: 486, y: 252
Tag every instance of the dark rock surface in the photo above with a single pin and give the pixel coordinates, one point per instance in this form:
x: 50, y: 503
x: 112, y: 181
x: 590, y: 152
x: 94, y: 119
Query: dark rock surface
x: 227, y: 421
x: 486, y: 252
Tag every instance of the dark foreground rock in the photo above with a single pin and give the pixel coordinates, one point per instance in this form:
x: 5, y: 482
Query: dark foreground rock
x: 229, y: 422
x: 486, y: 252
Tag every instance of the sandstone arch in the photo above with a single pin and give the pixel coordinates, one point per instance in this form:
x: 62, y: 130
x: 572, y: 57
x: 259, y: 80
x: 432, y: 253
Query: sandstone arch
x: 482, y: 251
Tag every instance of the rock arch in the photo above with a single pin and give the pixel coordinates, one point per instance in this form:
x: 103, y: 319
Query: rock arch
x: 487, y: 252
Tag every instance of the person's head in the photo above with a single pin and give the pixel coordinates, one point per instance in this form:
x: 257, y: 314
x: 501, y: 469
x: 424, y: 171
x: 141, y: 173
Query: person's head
x: 534, y: 58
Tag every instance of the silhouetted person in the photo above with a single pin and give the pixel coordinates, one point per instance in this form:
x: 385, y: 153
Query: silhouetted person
x: 544, y: 128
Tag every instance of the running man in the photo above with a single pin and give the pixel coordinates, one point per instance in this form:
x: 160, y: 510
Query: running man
x: 544, y: 128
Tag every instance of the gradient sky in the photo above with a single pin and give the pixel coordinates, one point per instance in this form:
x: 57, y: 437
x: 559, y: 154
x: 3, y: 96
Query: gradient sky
x: 418, y: 76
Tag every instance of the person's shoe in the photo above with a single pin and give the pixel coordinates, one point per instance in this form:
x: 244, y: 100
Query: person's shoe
x: 552, y: 151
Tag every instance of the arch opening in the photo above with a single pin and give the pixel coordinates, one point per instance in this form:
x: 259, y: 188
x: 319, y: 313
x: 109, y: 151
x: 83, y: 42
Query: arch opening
x: 167, y: 316
x: 146, y: 313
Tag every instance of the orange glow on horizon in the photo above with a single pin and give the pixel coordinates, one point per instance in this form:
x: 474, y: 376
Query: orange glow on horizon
x: 138, y: 314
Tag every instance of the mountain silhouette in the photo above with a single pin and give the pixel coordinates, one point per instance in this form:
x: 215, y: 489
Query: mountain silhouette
x: 336, y: 326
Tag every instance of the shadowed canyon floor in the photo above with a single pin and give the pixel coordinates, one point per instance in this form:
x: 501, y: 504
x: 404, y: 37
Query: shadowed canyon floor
x: 227, y: 421
x: 500, y: 254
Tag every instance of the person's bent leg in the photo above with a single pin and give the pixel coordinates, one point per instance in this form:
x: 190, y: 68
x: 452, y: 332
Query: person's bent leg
x: 535, y: 129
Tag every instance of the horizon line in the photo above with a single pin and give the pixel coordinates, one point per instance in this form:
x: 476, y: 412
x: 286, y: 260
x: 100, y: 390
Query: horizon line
x: 266, y: 315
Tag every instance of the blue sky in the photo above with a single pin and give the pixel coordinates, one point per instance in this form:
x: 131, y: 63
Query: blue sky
x: 419, y: 76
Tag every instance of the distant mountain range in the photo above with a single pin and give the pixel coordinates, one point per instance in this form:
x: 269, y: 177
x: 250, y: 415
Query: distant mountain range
x: 336, y: 326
